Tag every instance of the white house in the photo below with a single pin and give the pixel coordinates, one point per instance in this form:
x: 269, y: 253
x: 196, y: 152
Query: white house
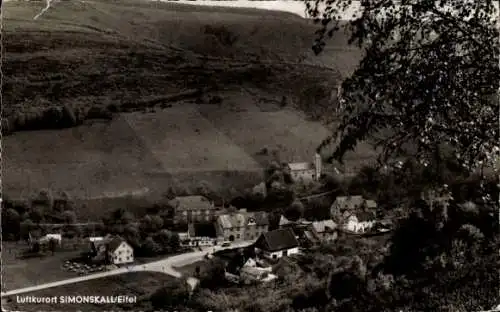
x: 305, y: 171
x: 119, y: 251
x: 326, y: 230
x: 276, y: 244
x: 359, y: 222
x: 48, y: 237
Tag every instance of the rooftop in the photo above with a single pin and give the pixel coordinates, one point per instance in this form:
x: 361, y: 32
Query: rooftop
x: 242, y: 218
x: 195, y: 202
x: 324, y: 226
x: 280, y: 239
x: 355, y: 201
x: 300, y: 166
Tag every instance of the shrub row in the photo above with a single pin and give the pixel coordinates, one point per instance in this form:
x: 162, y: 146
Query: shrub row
x: 51, y: 118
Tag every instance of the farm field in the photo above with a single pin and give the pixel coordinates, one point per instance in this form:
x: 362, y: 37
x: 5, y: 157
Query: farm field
x: 131, y: 284
x: 141, y: 153
x: 86, y: 161
x: 182, y: 140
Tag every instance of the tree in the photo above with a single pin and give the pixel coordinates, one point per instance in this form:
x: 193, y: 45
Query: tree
x: 149, y: 247
x: 175, y: 241
x: 69, y: 217
x: 44, y: 198
x: 11, y: 222
x: 295, y: 211
x: 156, y: 223
x: 428, y: 80
x: 53, y: 245
x: 163, y: 239
x: 25, y: 227
x: 36, y: 214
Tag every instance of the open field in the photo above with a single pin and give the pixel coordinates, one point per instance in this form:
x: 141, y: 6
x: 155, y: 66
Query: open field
x: 87, y: 161
x: 100, y: 53
x: 19, y: 273
x: 131, y: 284
x: 182, y: 140
x: 141, y: 153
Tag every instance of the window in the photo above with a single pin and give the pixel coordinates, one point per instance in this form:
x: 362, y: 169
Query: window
x: 237, y: 236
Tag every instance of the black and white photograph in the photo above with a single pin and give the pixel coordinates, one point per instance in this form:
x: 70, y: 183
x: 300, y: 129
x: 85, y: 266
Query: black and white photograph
x: 250, y: 156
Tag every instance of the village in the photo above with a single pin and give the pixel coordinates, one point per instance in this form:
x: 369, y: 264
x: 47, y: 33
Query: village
x: 248, y: 242
x: 221, y: 231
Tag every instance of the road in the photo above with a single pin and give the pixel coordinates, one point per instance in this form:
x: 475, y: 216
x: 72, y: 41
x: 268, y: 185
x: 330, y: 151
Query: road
x: 165, y: 266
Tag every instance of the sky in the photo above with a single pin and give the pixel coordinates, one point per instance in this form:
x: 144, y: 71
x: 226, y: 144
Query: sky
x: 297, y: 7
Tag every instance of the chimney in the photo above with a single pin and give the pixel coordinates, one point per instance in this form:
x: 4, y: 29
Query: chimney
x: 318, y: 165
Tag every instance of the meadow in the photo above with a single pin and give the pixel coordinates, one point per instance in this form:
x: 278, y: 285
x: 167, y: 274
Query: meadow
x: 105, y: 54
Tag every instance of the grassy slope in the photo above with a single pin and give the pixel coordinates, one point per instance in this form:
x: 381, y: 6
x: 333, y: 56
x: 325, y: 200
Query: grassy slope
x: 96, y: 51
x: 92, y: 53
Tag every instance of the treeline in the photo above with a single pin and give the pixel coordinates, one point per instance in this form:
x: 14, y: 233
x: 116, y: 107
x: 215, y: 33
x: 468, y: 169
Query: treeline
x: 22, y: 217
x: 55, y: 117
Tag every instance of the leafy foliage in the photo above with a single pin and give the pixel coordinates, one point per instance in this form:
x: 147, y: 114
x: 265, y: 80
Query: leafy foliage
x: 427, y: 82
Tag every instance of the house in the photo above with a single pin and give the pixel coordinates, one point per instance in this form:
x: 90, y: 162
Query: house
x: 241, y: 225
x: 119, y: 251
x: 276, y: 244
x: 351, y: 203
x: 199, y: 235
x: 305, y: 171
x: 359, y: 222
x: 49, y: 237
x: 303, y: 230
x: 326, y: 230
x: 111, y: 249
x: 190, y: 209
x: 248, y: 272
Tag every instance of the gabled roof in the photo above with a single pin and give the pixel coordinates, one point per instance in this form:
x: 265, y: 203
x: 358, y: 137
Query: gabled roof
x: 284, y: 221
x: 114, y: 244
x: 353, y: 202
x: 365, y: 216
x: 242, y: 219
x: 349, y: 202
x: 324, y: 226
x: 195, y: 202
x: 276, y: 240
x: 300, y: 166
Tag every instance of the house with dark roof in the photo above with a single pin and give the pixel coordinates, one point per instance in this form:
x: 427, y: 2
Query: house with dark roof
x: 193, y: 209
x: 303, y: 230
x: 241, y: 225
x: 112, y: 249
x: 276, y: 244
